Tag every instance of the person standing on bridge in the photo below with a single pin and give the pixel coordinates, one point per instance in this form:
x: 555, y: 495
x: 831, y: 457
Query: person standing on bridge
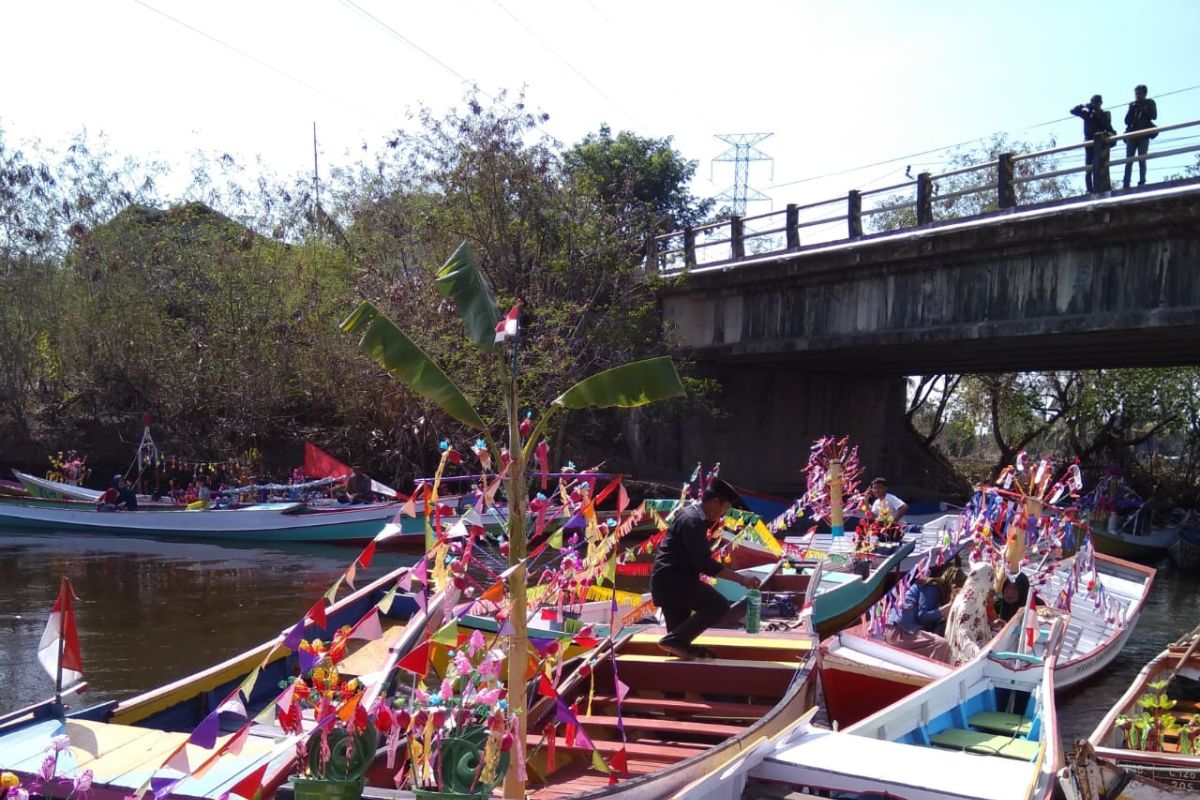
x: 689, y: 605
x: 1141, y: 115
x: 1096, y: 122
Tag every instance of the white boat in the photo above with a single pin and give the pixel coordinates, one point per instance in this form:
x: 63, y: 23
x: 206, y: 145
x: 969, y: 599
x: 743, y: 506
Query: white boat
x: 861, y: 674
x: 987, y: 731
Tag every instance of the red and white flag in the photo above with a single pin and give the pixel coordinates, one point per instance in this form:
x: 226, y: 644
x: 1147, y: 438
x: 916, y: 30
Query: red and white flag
x: 507, y: 327
x: 60, y: 636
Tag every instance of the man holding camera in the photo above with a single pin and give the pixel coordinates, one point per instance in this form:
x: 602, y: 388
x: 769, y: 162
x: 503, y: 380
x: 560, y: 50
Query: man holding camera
x: 1141, y: 115
x: 1096, y: 122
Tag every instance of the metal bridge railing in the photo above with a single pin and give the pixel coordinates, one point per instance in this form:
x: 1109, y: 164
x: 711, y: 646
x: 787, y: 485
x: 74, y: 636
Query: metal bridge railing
x: 781, y: 231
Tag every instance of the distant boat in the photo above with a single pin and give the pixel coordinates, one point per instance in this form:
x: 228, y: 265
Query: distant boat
x: 1134, y: 541
x: 986, y: 731
x: 861, y: 674
x: 1181, y: 662
x: 1185, y: 552
x: 265, y: 522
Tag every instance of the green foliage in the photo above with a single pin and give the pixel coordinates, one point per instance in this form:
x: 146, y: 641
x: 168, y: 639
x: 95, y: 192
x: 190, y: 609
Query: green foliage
x: 460, y: 279
x: 627, y: 386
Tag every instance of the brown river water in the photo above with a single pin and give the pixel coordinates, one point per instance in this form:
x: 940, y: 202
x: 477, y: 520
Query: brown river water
x: 152, y: 611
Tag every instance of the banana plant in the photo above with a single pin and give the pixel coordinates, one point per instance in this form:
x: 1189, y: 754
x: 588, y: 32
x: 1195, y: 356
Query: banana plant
x: 627, y: 386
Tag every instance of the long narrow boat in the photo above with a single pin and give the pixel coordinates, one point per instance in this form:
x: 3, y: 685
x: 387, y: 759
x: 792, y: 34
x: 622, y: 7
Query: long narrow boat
x: 123, y: 743
x: 987, y: 731
x: 266, y: 522
x: 1185, y: 552
x: 1167, y: 764
x: 861, y: 674
x: 1149, y: 546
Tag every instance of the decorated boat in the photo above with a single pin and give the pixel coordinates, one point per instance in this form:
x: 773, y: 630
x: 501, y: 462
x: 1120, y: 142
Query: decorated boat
x: 143, y: 743
x: 862, y: 673
x: 986, y: 730
x: 1185, y: 552
x: 1154, y: 729
x: 1086, y: 777
x: 1151, y: 545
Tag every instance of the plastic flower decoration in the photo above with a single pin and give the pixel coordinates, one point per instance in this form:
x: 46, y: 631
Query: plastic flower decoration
x: 462, y: 720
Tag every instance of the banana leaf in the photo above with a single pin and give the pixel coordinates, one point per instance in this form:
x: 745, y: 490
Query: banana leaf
x: 627, y: 386
x: 460, y: 279
x: 408, y: 363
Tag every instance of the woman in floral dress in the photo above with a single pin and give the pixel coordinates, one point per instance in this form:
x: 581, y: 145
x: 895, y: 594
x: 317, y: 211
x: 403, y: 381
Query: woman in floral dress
x: 967, y: 628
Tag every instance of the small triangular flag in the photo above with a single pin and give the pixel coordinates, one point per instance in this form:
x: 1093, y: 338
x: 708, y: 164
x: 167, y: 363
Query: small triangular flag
x: 316, y: 614
x: 447, y: 634
x: 178, y: 760
x: 598, y: 762
x: 556, y: 539
x: 368, y: 627
x: 385, y: 605
x: 368, y: 553
x: 162, y: 786
x: 620, y: 762
x: 417, y: 661
x: 248, y: 684
x: 292, y: 640
x: 205, y: 734
x: 410, y: 506
x: 420, y: 572
x: 350, y: 573
x: 251, y: 785
x: 545, y: 688
x: 331, y: 595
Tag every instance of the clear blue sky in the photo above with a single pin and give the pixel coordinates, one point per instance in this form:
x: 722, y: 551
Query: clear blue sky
x: 840, y: 84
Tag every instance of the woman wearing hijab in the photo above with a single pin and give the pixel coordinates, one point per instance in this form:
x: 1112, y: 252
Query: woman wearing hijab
x: 967, y: 629
x: 1012, y: 596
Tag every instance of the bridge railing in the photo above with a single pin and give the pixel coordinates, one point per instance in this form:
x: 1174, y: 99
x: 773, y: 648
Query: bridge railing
x: 911, y: 203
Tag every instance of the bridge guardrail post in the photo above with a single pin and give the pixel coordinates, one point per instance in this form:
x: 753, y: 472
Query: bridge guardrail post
x: 854, y: 213
x: 924, y: 198
x: 1101, y: 180
x: 1006, y: 195
x: 689, y: 247
x: 792, y: 224
x: 737, y: 237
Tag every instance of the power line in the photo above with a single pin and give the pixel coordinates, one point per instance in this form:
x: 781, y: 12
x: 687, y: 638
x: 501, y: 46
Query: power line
x: 569, y: 65
x: 259, y: 61
x: 400, y: 36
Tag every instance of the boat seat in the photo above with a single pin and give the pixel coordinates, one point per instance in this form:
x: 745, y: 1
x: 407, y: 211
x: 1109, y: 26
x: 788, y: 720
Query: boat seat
x: 709, y: 730
x: 999, y: 722
x: 686, y: 708
x: 986, y: 744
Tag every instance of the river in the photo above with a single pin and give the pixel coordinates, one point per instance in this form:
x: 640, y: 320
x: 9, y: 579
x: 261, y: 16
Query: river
x: 152, y: 611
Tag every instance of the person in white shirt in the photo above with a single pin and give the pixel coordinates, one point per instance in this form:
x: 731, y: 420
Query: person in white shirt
x: 885, y: 505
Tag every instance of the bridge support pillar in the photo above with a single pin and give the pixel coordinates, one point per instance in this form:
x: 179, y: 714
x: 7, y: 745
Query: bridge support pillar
x: 771, y: 415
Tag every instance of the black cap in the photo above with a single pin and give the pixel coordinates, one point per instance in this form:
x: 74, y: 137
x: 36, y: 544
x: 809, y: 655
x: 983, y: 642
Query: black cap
x: 723, y: 490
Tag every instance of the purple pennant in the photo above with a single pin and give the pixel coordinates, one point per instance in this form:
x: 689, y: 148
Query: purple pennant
x: 541, y: 644
x: 206, y: 732
x: 563, y: 713
x: 292, y: 640
x: 308, y: 660
x: 163, y: 786
x: 507, y: 628
x: 575, y: 522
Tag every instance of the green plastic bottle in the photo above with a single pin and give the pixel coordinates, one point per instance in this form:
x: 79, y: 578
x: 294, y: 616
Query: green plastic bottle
x: 753, y: 610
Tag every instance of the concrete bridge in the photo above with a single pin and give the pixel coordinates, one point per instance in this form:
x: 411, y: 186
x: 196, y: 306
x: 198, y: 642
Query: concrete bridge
x: 817, y: 340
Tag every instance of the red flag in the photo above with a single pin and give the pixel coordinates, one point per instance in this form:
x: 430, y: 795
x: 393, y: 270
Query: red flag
x: 550, y: 737
x: 317, y: 614
x: 507, y: 327
x: 368, y: 553
x: 320, y: 464
x: 250, y: 785
x: 620, y: 762
x: 417, y: 661
x: 545, y: 688
x: 60, y: 634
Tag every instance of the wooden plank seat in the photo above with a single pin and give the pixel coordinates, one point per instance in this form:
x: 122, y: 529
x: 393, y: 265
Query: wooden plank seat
x: 668, y: 752
x: 710, y: 730
x: 1000, y: 722
x: 686, y: 708
x: 986, y: 744
x: 706, y: 676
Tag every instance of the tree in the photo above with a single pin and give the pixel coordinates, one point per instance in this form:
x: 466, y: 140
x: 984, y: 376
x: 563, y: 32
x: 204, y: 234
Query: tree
x: 627, y: 386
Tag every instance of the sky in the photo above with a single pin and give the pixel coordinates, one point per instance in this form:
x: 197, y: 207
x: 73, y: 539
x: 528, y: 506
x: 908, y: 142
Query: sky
x: 843, y: 86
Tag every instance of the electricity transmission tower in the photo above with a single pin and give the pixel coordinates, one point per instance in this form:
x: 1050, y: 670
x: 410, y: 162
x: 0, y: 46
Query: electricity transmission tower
x: 741, y: 152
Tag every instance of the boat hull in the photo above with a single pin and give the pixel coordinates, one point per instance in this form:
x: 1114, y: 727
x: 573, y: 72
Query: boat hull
x: 1135, y: 547
x: 1185, y: 552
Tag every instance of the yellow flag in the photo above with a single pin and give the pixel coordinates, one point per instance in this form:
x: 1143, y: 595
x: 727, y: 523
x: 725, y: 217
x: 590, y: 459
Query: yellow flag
x: 610, y: 569
x: 447, y: 634
x: 598, y: 762
x: 556, y: 539
x: 385, y: 605
x: 331, y: 595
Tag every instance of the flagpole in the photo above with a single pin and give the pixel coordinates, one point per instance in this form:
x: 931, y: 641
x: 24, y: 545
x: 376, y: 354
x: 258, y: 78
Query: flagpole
x: 62, y: 639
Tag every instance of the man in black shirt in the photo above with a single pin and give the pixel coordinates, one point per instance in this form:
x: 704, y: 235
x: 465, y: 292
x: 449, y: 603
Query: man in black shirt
x: 690, y: 605
x: 1141, y: 115
x: 1096, y: 121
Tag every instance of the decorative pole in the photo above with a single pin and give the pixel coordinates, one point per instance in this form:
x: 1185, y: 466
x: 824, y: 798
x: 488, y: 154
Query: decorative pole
x: 837, y: 522
x: 62, y: 638
x: 518, y: 648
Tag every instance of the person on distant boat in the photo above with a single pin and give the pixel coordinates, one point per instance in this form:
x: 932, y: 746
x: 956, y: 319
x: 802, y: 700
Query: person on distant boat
x: 926, y: 604
x: 967, y: 627
x: 117, y: 496
x: 689, y: 605
x: 885, y: 507
x: 127, y: 496
x: 1012, y: 596
x: 359, y: 487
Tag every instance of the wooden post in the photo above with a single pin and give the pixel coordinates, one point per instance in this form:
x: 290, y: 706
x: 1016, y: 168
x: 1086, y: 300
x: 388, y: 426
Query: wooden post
x: 1006, y: 194
x: 837, y: 520
x: 792, y: 224
x: 518, y: 647
x: 737, y: 237
x: 924, y: 198
x: 651, y: 253
x: 1101, y: 180
x: 854, y: 213
x: 689, y: 247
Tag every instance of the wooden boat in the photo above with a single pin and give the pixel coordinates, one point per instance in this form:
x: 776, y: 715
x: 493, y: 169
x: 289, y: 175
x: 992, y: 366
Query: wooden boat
x: 124, y: 743
x: 986, y: 730
x: 1185, y: 552
x: 1130, y: 543
x: 681, y: 718
x: 861, y: 674
x: 1167, y: 765
x: 1086, y: 777
x: 265, y: 522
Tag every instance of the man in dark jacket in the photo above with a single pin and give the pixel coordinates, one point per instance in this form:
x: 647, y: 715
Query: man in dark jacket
x: 689, y: 605
x: 1141, y: 115
x: 1096, y: 121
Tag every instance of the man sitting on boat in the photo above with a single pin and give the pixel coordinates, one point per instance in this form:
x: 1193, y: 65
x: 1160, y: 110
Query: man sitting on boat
x: 926, y: 604
x: 117, y: 496
x: 689, y: 605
